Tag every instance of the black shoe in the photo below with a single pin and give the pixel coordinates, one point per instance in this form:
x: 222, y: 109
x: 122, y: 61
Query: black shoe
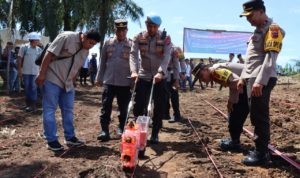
x: 174, y: 119
x: 55, y: 146
x: 167, y: 117
x: 256, y: 158
x: 154, y: 138
x: 230, y: 145
x: 29, y: 109
x: 103, y: 136
x: 74, y: 142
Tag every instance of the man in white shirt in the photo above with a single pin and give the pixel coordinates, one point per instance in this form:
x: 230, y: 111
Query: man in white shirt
x: 28, y: 70
x: 188, y: 76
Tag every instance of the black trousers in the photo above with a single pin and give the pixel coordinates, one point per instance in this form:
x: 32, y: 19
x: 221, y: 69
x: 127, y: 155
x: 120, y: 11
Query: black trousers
x: 238, y: 116
x: 259, y: 113
x: 123, y: 95
x: 174, y: 96
x: 143, y: 89
x: 83, y: 74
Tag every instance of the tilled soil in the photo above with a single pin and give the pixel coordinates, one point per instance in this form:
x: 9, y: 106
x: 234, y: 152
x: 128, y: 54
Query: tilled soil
x: 180, y: 153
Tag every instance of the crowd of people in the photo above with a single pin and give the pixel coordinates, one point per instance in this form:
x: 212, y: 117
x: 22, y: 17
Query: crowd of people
x: 149, y: 60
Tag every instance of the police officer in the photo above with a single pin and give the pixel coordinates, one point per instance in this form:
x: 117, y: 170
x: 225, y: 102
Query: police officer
x: 173, y: 84
x: 182, y: 70
x: 228, y: 74
x: 154, y: 48
x: 113, y: 75
x: 259, y: 75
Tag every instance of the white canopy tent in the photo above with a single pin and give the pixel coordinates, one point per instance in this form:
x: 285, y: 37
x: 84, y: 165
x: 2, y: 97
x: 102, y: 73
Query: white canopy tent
x: 14, y: 36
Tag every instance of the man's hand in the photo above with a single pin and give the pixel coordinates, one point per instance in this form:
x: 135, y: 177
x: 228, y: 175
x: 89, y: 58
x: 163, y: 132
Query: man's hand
x: 134, y: 76
x: 257, y: 90
x: 182, y: 76
x: 99, y: 83
x: 40, y: 79
x: 176, y: 84
x: 229, y: 107
x: 240, y: 85
x: 158, y: 77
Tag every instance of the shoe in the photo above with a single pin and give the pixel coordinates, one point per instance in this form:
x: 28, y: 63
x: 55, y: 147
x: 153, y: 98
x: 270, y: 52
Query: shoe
x: 55, y: 146
x: 74, y: 142
x: 154, y: 137
x: 230, y: 145
x: 256, y: 158
x: 103, y: 136
x: 166, y: 117
x: 174, y: 119
x: 28, y: 109
x: 119, y: 132
x: 154, y: 140
x: 27, y: 105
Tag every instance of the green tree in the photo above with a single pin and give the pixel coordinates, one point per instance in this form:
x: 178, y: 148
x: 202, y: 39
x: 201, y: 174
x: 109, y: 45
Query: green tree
x: 52, y: 16
x: 4, y: 13
x: 102, y: 13
x: 73, y: 14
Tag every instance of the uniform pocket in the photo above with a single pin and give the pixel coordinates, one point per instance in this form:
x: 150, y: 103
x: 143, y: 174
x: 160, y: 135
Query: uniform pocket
x: 160, y: 47
x: 257, y: 40
x: 110, y: 51
x: 126, y: 52
x: 143, y: 45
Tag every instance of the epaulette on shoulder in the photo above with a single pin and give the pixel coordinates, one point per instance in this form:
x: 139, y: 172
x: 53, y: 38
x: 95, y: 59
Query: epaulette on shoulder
x: 274, y: 26
x: 110, y: 41
x: 129, y: 41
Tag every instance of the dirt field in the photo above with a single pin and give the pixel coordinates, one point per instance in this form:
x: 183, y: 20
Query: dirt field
x: 23, y: 151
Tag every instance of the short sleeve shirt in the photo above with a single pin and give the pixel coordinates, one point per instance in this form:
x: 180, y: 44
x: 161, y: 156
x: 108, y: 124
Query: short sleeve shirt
x: 29, y: 55
x: 65, y: 44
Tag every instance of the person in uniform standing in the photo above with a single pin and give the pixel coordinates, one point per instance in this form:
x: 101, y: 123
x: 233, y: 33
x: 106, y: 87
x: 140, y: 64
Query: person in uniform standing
x: 93, y: 68
x: 113, y: 74
x: 259, y: 75
x: 173, y: 85
x: 154, y: 48
x: 84, y: 72
x: 182, y: 71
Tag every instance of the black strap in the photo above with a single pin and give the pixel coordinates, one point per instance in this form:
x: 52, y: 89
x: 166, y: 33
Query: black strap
x: 72, y: 62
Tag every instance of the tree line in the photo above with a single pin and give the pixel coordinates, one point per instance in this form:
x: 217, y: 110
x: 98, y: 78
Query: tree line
x: 53, y: 16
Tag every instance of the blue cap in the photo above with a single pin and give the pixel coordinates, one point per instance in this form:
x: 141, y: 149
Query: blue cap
x: 154, y: 19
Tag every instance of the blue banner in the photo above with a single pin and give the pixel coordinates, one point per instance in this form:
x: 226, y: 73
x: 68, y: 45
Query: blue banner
x: 215, y: 42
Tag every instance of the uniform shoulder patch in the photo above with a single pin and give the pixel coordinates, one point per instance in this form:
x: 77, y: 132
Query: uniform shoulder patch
x: 273, y: 39
x: 222, y: 75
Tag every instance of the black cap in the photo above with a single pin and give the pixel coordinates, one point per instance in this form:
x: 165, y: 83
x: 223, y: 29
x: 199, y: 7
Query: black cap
x: 120, y: 23
x: 198, y: 68
x: 252, y: 5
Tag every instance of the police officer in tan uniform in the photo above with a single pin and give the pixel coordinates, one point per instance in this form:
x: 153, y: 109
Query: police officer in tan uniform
x: 113, y: 74
x: 173, y: 85
x: 228, y: 74
x: 259, y: 75
x: 149, y: 59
